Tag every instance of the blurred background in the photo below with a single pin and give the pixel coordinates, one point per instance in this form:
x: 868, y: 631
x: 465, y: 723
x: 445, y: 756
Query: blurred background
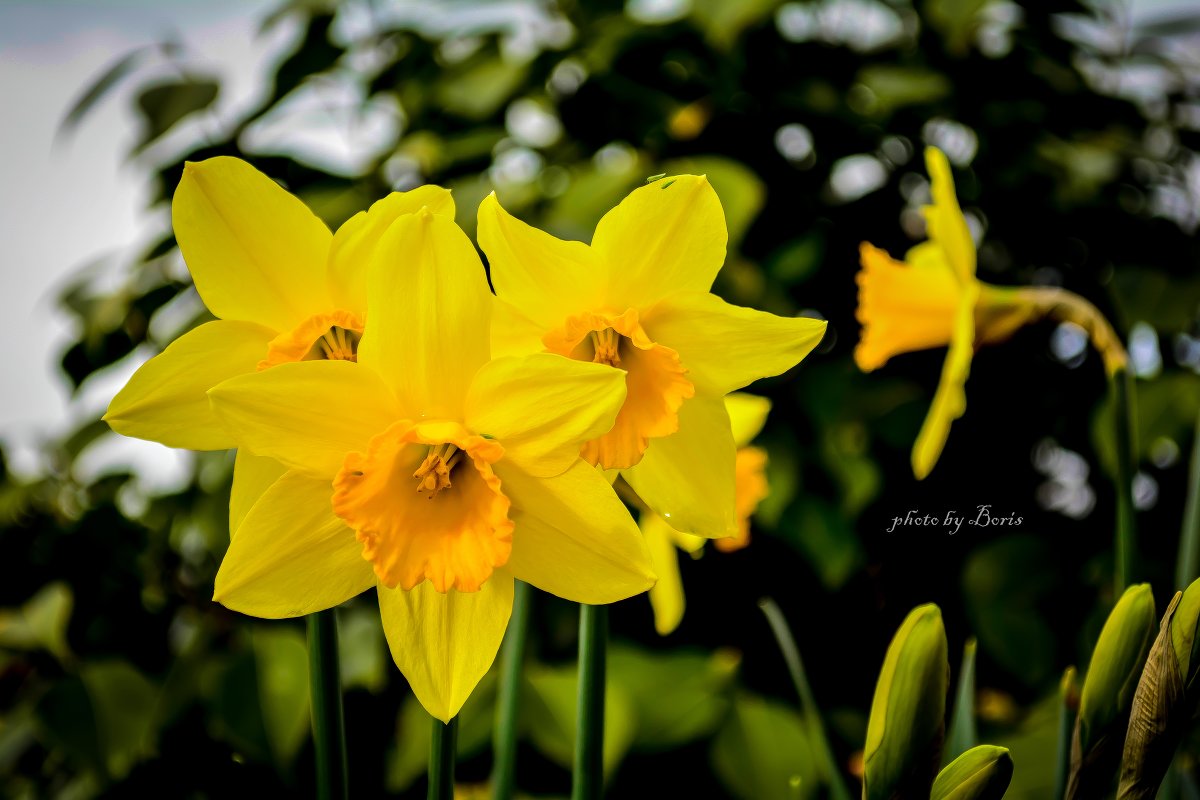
x: 1074, y: 129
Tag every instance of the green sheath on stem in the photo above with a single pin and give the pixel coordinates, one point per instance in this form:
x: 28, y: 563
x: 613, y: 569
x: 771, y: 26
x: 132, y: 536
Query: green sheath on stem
x: 1188, y: 565
x: 442, y: 750
x: 588, y: 781
x: 329, y: 727
x: 504, y: 774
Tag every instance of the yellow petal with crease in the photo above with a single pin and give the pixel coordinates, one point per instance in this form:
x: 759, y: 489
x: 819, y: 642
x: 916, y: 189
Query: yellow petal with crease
x: 543, y: 407
x: 725, y: 347
x: 546, y: 278
x: 307, y: 415
x: 666, y: 596
x: 255, y: 251
x: 573, y: 537
x: 668, y: 236
x: 354, y: 242
x: 445, y: 643
x: 291, y: 555
x: 944, y: 219
x: 252, y: 475
x: 429, y: 316
x: 688, y: 477
x: 165, y: 399
x: 950, y: 400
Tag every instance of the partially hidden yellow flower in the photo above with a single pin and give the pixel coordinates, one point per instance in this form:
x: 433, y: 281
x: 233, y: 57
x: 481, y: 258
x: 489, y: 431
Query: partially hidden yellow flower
x: 430, y: 471
x: 283, y: 289
x: 933, y: 299
x: 748, y: 414
x: 637, y: 299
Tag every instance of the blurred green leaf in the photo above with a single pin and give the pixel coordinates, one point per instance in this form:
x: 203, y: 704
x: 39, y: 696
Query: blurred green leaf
x: 281, y: 660
x: 825, y: 538
x: 1165, y: 408
x: 548, y: 707
x: 41, y: 623
x: 724, y: 20
x: 362, y: 650
x: 759, y: 750
x: 1144, y: 294
x: 477, y: 89
x: 408, y: 759
x: 956, y: 21
x: 165, y: 104
x: 894, y: 87
x: 677, y: 696
x: 1006, y: 584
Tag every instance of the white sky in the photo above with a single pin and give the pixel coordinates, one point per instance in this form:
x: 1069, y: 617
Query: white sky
x: 63, y: 205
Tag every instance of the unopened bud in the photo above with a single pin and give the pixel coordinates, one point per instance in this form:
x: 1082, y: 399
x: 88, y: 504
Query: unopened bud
x: 981, y: 773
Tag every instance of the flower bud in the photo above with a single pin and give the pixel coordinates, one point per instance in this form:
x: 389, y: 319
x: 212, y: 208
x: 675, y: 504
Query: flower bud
x: 1165, y: 700
x: 907, y: 725
x: 981, y: 773
x: 1108, y: 689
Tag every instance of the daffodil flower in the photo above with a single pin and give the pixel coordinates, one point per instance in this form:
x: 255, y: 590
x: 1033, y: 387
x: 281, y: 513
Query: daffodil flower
x: 283, y: 289
x: 933, y: 299
x: 637, y: 299
x: 429, y: 471
x: 748, y: 413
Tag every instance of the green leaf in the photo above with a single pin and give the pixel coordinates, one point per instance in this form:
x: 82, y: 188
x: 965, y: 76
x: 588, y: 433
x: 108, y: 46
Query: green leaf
x: 678, y: 696
x: 281, y: 661
x: 362, y: 650
x: 41, y: 623
x: 894, y: 87
x: 165, y: 104
x: 548, y: 706
x: 761, y: 748
x: 1165, y: 409
x: 962, y: 735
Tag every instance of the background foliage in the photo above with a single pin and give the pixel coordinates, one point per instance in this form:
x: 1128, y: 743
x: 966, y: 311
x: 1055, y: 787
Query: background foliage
x: 1075, y: 130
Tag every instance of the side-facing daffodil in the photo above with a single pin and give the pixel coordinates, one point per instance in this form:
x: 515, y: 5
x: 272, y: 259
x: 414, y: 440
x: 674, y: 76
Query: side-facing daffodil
x: 283, y: 289
x: 429, y: 471
x: 933, y: 299
x: 748, y: 414
x: 637, y: 299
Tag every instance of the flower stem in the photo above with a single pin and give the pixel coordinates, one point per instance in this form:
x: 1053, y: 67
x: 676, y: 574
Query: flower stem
x: 329, y: 726
x: 1068, y: 704
x: 441, y: 759
x: 808, y: 703
x: 588, y: 779
x: 1126, y: 547
x: 504, y: 773
x: 1188, y: 564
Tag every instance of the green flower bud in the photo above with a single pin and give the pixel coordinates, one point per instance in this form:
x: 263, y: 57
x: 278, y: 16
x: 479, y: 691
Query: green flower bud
x: 981, y: 773
x: 1108, y: 688
x: 1165, y: 700
x: 907, y: 725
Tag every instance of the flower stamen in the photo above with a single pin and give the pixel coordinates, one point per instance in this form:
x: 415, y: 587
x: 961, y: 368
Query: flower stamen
x: 433, y: 475
x: 606, y: 344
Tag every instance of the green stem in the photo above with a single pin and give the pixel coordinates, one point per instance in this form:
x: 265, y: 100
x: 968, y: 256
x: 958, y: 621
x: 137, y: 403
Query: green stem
x: 504, y: 773
x: 812, y: 714
x: 441, y: 759
x: 1188, y: 566
x: 588, y: 781
x: 1068, y: 703
x: 329, y: 726
x: 963, y: 735
x: 1126, y: 545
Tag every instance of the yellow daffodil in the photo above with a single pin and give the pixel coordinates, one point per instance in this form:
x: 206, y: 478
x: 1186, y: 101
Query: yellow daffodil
x: 428, y: 471
x: 933, y: 299
x: 748, y: 414
x: 283, y: 289
x: 637, y: 299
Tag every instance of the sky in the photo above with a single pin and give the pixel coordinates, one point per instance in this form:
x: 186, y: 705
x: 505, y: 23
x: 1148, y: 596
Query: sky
x: 66, y: 202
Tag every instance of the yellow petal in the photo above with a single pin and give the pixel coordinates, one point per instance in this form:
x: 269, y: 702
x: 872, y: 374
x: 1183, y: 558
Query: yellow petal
x: 944, y: 219
x: 291, y: 555
x: 546, y: 278
x: 427, y: 330
x: 255, y: 251
x: 688, y: 477
x: 445, y: 643
x: 307, y: 415
x: 725, y: 347
x: 165, y: 399
x: 543, y: 407
x: 356, y: 239
x: 747, y: 415
x: 666, y: 596
x: 668, y: 236
x: 573, y: 537
x: 252, y: 475
x: 950, y: 400
x: 904, y: 306
x: 513, y: 333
